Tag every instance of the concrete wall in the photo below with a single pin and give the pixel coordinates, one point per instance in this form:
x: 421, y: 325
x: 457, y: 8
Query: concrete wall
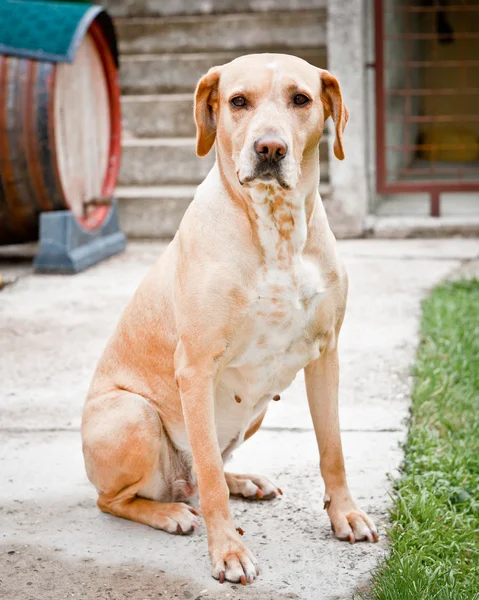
x: 137, y: 8
x: 348, y: 205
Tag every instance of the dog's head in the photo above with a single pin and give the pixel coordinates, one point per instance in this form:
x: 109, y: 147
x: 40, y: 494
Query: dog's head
x: 267, y: 113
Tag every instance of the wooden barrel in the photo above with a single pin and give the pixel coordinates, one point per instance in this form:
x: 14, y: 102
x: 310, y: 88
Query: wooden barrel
x: 60, y: 129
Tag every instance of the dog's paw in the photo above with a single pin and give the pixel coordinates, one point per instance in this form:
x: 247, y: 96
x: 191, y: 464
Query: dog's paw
x: 232, y: 561
x: 252, y: 487
x: 348, y: 522
x: 176, y: 517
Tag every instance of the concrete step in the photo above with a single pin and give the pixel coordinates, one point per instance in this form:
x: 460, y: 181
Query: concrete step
x: 264, y: 32
x: 158, y: 115
x: 156, y: 211
x: 160, y: 73
x: 148, y: 8
x: 162, y: 115
x: 152, y: 212
x: 418, y: 226
x: 165, y: 161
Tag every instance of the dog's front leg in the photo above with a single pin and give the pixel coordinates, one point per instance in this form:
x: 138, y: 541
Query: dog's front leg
x: 230, y: 558
x: 322, y: 381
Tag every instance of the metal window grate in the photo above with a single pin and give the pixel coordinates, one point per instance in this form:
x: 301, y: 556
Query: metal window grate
x: 427, y: 96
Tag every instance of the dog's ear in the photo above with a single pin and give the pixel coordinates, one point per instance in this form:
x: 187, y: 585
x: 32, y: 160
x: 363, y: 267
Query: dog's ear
x: 206, y: 100
x: 334, y: 106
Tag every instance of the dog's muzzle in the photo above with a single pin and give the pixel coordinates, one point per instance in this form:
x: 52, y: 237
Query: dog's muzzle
x: 269, y: 151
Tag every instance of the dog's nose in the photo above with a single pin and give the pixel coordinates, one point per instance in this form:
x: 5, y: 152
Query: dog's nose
x: 271, y: 148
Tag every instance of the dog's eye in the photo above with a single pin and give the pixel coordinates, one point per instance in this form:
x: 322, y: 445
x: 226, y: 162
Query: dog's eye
x: 238, y: 101
x: 300, y: 99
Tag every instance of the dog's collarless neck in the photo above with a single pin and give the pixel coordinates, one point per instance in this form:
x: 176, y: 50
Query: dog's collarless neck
x: 279, y: 220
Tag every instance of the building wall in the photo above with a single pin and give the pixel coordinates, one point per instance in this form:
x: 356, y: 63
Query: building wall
x: 348, y: 207
x: 137, y: 8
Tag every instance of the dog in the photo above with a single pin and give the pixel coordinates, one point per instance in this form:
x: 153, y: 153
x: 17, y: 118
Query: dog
x: 250, y: 291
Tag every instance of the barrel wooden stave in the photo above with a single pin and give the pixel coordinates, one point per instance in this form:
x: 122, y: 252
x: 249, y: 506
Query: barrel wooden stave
x: 31, y: 176
x: 26, y: 160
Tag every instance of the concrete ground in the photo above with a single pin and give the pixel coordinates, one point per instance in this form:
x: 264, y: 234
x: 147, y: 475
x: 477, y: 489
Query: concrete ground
x: 54, y: 542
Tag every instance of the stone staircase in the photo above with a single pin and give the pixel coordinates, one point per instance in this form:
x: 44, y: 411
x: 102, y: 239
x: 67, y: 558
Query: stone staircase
x: 162, y: 58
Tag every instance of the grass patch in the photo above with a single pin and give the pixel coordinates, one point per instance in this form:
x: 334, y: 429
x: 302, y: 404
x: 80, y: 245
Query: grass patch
x: 435, y: 518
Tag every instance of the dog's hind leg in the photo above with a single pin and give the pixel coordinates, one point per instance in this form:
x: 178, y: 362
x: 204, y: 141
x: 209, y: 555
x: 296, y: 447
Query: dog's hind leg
x: 253, y: 487
x: 122, y: 444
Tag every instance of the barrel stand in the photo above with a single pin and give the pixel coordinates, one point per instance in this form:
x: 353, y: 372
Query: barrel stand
x: 66, y: 247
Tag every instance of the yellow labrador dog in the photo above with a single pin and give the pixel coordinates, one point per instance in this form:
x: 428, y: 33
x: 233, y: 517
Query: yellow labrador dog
x: 250, y: 291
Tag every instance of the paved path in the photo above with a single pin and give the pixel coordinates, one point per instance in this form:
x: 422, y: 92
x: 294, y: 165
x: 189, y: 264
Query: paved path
x: 55, y: 544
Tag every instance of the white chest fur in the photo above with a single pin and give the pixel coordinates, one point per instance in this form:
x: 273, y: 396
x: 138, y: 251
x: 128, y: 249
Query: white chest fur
x: 279, y: 336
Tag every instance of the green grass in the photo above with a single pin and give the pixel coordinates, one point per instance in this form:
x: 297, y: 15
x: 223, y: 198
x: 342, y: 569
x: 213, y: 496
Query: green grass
x: 435, y: 518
